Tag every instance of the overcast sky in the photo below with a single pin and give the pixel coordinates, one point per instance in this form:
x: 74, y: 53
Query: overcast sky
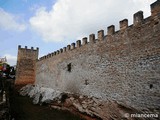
x: 53, y: 24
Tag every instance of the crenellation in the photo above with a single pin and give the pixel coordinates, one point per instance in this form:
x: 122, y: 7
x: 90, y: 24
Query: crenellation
x: 26, y: 48
x: 100, y: 35
x: 68, y: 47
x: 92, y: 38
x: 61, y: 50
x: 123, y: 24
x: 78, y: 43
x: 72, y: 46
x: 52, y: 54
x: 57, y: 52
x: 111, y: 30
x: 84, y: 40
x: 155, y: 8
x: 49, y: 55
x: 19, y: 46
x: 64, y: 49
x: 138, y: 18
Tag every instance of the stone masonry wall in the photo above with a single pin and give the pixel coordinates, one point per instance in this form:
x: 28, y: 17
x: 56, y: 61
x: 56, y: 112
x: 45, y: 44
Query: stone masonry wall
x: 123, y: 65
x: 26, y: 61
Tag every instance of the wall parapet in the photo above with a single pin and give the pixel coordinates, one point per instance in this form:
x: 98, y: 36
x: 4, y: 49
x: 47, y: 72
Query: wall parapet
x: 138, y: 20
x: 26, y: 48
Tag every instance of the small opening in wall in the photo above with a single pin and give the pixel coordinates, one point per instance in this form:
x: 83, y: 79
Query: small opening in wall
x: 151, y: 86
x: 156, y: 23
x: 86, y: 82
x: 69, y: 67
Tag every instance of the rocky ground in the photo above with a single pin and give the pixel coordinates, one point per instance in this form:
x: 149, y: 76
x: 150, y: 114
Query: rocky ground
x: 16, y: 107
x: 23, y: 109
x: 90, y: 108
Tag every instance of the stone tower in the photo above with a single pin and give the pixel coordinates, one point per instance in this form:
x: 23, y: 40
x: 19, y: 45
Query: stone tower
x: 26, y: 63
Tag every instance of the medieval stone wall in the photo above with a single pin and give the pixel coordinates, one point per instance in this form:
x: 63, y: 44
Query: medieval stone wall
x: 123, y: 65
x: 26, y: 61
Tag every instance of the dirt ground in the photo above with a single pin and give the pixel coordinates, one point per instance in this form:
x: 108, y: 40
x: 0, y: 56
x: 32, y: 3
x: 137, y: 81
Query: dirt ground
x: 23, y: 109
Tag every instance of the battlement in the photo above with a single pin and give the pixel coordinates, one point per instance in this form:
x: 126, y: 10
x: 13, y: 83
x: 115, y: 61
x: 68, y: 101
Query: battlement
x: 26, y: 48
x: 138, y: 20
x: 155, y: 8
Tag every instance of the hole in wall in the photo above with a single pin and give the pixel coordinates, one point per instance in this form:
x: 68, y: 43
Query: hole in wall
x: 151, y: 86
x: 69, y: 67
x: 86, y: 82
x: 156, y: 23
